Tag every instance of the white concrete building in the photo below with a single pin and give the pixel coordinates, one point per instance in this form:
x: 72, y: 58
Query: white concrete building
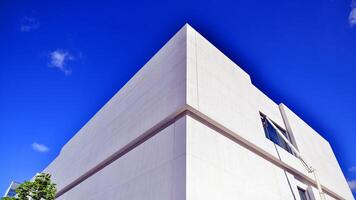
x: 11, y: 190
x: 190, y: 125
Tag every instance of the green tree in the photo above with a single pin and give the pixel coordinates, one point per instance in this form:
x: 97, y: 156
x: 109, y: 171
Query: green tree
x: 41, y: 188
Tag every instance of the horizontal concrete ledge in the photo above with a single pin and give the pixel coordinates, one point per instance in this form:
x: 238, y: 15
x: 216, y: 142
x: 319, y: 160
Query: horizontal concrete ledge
x: 257, y: 150
x: 192, y: 112
x: 124, y: 150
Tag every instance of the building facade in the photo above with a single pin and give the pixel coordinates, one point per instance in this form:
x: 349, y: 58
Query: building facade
x: 11, y: 190
x: 191, y: 125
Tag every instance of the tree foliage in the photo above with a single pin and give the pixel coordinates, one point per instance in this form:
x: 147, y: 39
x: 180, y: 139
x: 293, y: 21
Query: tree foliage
x: 41, y: 188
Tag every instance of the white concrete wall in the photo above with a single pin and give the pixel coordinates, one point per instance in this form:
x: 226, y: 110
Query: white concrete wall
x: 319, y: 153
x: 189, y: 72
x: 153, y: 170
x: 219, y: 168
x: 220, y: 89
x: 155, y: 92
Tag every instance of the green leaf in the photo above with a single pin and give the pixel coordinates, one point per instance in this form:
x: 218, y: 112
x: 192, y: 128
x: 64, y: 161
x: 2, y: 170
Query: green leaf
x: 41, y: 188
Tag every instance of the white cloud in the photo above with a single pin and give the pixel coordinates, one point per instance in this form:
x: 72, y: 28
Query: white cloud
x: 352, y: 185
x: 39, y: 147
x: 352, y: 169
x: 59, y: 59
x: 29, y: 24
x: 352, y: 17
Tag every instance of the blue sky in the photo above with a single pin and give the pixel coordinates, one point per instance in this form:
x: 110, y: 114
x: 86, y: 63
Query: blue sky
x: 61, y: 61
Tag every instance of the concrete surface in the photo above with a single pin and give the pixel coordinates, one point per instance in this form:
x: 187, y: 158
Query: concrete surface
x: 206, y: 140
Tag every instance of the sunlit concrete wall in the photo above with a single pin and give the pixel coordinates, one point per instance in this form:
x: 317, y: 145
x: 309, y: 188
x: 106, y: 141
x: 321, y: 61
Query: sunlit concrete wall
x: 218, y: 88
x: 214, y: 146
x: 318, y: 152
x: 154, y: 93
x: 153, y: 170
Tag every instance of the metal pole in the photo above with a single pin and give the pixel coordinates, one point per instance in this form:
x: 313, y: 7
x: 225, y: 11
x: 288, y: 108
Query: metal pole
x: 309, y: 168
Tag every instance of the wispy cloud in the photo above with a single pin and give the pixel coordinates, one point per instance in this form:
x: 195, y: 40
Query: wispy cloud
x: 352, y: 185
x: 59, y: 59
x: 352, y: 17
x: 352, y: 169
x: 39, y: 147
x: 29, y: 24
